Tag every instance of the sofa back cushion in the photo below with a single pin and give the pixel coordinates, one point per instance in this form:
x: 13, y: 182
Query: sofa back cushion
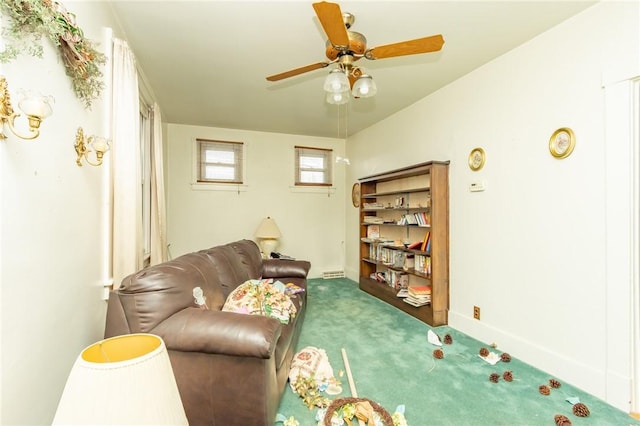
x: 155, y: 293
x: 235, y: 263
x: 152, y: 295
x: 249, y: 255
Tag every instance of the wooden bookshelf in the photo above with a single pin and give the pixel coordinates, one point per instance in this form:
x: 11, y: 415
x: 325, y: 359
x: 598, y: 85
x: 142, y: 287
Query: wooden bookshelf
x: 417, y: 191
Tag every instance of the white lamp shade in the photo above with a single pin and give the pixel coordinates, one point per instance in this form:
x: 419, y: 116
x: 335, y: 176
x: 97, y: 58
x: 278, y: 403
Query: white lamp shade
x: 364, y: 87
x: 268, y: 229
x: 124, y: 380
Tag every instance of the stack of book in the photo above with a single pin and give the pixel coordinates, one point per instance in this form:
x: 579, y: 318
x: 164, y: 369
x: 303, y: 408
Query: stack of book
x: 418, y: 295
x: 373, y: 219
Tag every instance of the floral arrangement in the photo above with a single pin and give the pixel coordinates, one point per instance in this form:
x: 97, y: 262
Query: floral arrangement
x: 353, y: 409
x: 30, y: 20
x: 259, y: 297
x: 309, y: 391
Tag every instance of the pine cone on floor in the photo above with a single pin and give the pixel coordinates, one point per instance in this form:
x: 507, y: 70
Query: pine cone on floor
x: 494, y: 377
x: 507, y: 376
x: 544, y: 389
x: 505, y: 357
x: 448, y: 339
x: 438, y: 354
x: 580, y: 410
x: 554, y: 383
x: 562, y: 420
x: 484, y: 352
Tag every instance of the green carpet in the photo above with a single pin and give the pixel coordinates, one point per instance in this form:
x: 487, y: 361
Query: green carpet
x: 392, y: 363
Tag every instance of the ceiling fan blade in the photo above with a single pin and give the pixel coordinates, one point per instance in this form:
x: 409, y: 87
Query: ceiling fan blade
x: 330, y: 17
x: 409, y: 47
x: 297, y: 71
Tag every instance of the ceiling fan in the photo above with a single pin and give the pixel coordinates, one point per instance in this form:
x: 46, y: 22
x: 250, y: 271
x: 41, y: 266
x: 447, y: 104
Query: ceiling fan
x: 345, y: 47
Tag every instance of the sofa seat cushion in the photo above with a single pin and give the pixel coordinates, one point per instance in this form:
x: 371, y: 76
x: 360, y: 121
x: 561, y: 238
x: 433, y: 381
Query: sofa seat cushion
x: 286, y: 344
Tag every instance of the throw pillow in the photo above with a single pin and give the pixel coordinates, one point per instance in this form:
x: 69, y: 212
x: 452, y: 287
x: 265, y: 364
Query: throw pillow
x: 311, y: 362
x: 261, y: 297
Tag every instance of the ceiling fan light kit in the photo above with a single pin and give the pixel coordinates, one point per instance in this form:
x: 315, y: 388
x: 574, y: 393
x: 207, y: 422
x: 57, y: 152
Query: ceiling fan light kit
x: 344, y: 47
x: 336, y: 82
x: 337, y: 98
x: 364, y: 87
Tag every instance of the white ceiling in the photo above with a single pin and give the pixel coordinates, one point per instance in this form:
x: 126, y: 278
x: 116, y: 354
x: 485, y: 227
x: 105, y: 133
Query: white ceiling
x: 206, y: 61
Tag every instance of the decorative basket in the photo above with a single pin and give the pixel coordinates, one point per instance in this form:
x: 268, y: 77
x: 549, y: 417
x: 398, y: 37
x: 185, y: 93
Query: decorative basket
x: 337, y: 403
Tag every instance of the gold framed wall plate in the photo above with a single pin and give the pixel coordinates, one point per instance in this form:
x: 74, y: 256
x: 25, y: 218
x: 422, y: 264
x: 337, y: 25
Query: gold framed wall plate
x: 477, y: 158
x: 562, y: 142
x: 355, y: 194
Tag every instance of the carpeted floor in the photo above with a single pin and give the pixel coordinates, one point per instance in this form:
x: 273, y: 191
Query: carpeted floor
x: 392, y: 363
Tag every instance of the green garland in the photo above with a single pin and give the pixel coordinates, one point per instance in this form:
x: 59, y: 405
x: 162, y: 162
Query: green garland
x: 33, y: 19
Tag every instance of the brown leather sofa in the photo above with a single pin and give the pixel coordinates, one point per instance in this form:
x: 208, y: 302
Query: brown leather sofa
x: 231, y: 368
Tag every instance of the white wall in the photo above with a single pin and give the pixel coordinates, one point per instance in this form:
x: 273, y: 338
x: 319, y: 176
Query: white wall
x: 530, y: 250
x: 51, y: 237
x: 311, y: 221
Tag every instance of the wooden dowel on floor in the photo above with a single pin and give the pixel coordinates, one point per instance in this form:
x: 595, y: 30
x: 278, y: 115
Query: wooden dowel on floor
x: 352, y: 385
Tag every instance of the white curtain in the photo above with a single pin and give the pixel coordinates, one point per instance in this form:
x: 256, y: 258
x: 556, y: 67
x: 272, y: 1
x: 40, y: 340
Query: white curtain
x: 158, y: 211
x: 126, y: 172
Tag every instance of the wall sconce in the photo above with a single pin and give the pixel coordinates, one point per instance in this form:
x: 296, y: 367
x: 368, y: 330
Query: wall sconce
x: 85, y: 146
x: 36, y: 106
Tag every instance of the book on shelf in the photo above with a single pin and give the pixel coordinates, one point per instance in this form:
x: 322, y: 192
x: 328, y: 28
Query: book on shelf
x: 397, y: 279
x: 398, y: 261
x: 422, y: 264
x: 378, y: 276
x: 415, y: 245
x: 417, y: 302
x: 408, y: 219
x: 373, y: 219
x: 402, y: 293
x: 409, y: 262
x: 425, y: 242
x: 422, y: 218
x: 420, y: 290
x: 373, y: 231
x: 373, y: 205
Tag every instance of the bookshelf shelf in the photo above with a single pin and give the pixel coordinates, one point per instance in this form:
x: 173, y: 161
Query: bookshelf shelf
x: 395, y: 198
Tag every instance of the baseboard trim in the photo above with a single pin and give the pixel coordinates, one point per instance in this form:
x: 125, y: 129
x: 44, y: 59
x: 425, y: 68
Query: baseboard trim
x: 591, y: 380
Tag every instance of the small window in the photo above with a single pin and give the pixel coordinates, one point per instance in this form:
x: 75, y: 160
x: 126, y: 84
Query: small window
x: 219, y: 161
x: 313, y: 166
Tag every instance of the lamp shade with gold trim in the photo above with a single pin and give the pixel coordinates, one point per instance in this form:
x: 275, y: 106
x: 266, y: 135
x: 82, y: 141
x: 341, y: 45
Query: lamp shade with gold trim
x: 123, y: 380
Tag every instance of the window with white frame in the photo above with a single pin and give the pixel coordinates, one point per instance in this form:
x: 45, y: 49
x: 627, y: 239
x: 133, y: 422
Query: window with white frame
x: 313, y: 166
x: 219, y: 161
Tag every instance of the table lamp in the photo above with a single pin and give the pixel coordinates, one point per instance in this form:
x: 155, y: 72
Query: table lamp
x: 123, y: 380
x: 268, y: 234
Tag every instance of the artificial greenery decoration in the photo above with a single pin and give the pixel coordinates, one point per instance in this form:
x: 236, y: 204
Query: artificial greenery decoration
x: 307, y: 388
x: 31, y: 20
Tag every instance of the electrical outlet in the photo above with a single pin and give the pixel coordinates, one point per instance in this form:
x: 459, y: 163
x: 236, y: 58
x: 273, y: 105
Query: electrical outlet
x: 476, y: 312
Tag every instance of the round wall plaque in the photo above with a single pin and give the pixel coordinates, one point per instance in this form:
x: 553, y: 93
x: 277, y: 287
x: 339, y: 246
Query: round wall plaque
x: 355, y: 195
x: 476, y: 159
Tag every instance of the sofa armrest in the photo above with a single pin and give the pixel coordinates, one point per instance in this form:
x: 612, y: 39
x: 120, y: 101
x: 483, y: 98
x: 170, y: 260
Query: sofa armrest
x: 220, y: 332
x: 276, y: 268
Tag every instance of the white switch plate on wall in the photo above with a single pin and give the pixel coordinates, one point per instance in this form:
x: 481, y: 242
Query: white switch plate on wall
x: 477, y: 186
